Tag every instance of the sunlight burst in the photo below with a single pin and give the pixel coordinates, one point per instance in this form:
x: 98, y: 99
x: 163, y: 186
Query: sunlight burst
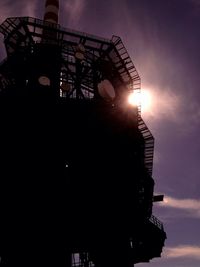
x: 141, y: 98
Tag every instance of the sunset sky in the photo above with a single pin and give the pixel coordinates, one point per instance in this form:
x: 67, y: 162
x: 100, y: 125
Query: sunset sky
x: 163, y: 40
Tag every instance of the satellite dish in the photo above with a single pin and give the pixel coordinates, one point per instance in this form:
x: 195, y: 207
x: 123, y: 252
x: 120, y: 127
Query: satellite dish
x: 81, y: 48
x: 80, y: 52
x: 106, y: 90
x: 65, y: 86
x: 44, y: 80
x: 79, y: 55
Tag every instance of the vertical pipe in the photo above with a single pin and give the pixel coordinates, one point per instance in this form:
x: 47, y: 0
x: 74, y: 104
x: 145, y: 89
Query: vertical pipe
x: 51, y: 11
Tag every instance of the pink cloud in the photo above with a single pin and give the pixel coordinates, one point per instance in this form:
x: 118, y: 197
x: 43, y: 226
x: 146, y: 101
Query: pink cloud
x: 182, y: 251
x: 189, y: 207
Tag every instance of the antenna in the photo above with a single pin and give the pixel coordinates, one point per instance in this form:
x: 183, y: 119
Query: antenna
x: 51, y: 11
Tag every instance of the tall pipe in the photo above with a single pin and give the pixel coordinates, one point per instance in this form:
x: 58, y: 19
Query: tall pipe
x: 51, y: 11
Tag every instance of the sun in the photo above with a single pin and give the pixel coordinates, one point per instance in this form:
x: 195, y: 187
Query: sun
x: 141, y: 98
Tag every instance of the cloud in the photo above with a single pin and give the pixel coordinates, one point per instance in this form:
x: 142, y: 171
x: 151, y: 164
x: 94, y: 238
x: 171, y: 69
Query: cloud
x: 165, y: 104
x: 30, y: 8
x: 189, y: 207
x: 73, y: 11
x: 194, y: 111
x: 5, y: 10
x: 195, y: 2
x: 174, y: 107
x: 182, y: 251
x: 14, y: 9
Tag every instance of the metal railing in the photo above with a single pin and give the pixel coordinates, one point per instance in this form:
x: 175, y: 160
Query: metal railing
x: 148, y: 146
x: 156, y: 222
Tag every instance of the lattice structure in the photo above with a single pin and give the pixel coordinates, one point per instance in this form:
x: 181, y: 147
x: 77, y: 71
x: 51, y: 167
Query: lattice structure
x: 78, y: 84
x: 99, y: 54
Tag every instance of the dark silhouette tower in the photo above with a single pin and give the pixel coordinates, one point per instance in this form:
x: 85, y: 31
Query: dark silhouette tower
x: 76, y: 159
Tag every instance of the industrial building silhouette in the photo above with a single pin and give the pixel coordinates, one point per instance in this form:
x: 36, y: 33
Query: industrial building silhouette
x: 76, y: 160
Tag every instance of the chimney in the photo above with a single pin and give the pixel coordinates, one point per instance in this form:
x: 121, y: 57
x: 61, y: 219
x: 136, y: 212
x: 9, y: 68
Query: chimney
x: 51, y: 11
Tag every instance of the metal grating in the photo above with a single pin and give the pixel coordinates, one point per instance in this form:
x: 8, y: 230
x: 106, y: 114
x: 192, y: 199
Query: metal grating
x: 149, y: 145
x: 156, y: 222
x: 125, y: 64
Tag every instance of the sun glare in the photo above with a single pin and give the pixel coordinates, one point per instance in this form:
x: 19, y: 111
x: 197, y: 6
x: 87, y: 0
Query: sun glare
x: 140, y: 98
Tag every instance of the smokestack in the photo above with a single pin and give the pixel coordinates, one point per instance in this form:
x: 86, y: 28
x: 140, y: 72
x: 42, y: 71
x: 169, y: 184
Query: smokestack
x: 51, y: 11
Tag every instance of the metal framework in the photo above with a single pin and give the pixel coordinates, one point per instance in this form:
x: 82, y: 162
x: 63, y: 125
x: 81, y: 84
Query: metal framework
x: 29, y: 31
x: 82, y: 62
x: 99, y: 53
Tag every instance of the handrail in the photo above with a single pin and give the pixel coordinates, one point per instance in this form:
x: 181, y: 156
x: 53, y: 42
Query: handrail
x: 156, y: 222
x: 149, y: 145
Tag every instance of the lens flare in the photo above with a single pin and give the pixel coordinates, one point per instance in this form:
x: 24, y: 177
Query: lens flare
x: 134, y: 98
x: 140, y: 98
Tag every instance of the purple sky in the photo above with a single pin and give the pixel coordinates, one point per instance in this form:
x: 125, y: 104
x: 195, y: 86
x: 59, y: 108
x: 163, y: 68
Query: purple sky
x: 163, y: 40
